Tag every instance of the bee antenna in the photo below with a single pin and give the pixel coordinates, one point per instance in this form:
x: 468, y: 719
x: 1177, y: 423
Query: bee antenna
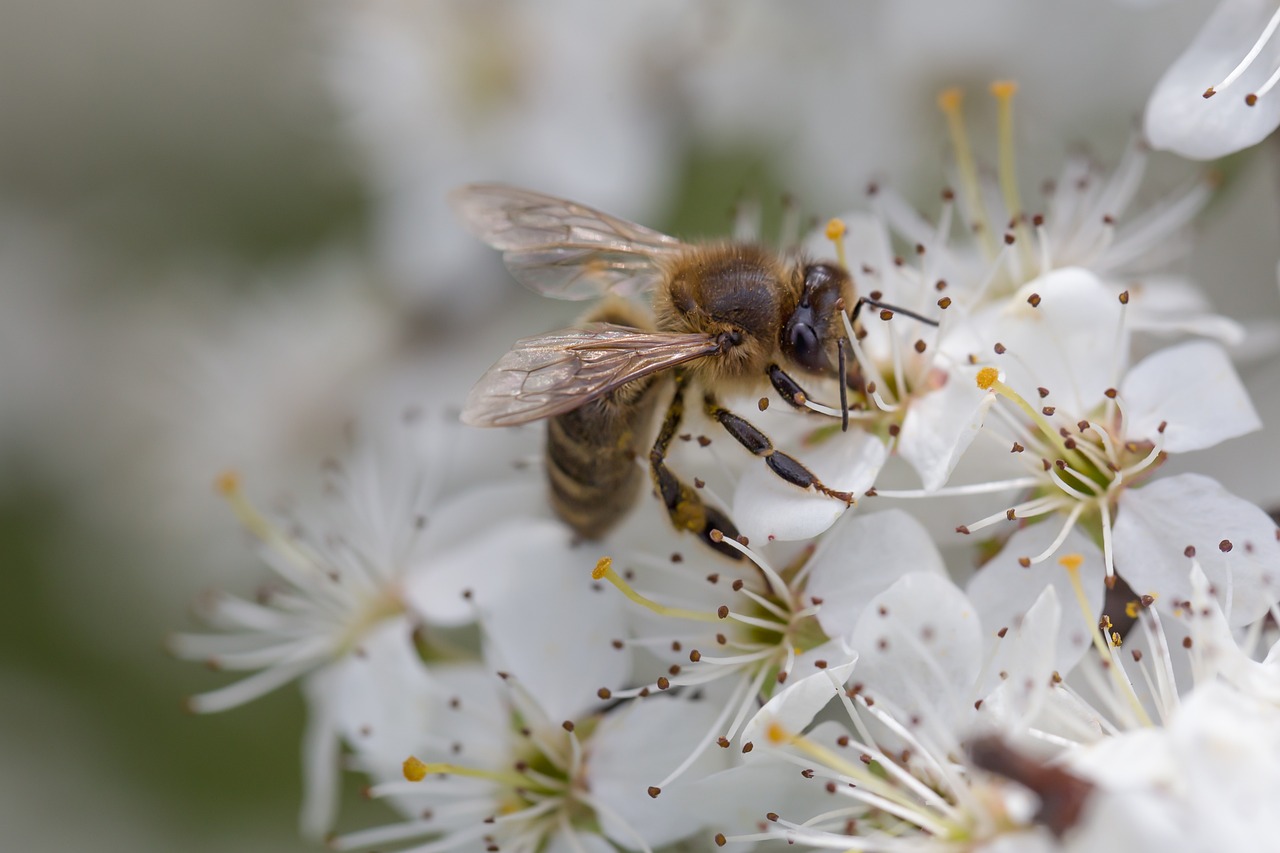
x: 842, y: 363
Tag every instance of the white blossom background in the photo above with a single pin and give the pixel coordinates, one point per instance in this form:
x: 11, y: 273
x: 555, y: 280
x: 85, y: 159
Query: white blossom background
x: 222, y: 235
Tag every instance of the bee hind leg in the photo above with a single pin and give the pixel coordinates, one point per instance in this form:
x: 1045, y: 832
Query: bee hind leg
x: 685, y: 507
x: 785, y: 466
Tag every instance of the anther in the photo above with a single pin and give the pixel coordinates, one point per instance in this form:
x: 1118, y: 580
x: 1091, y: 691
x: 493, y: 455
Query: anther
x: 1124, y: 297
x: 604, y: 693
x: 1000, y: 348
x: 721, y: 840
x: 1224, y: 546
x: 415, y: 770
x: 654, y: 791
x: 1034, y: 300
x: 944, y: 303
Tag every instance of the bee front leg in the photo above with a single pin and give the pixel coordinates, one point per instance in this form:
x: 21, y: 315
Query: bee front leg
x: 785, y: 466
x: 684, y: 505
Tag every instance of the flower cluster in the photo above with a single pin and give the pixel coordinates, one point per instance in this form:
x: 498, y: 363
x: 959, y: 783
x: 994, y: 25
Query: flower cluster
x: 829, y: 677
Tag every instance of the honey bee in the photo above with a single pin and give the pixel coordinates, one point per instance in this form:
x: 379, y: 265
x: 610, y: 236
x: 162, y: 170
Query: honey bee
x: 727, y: 315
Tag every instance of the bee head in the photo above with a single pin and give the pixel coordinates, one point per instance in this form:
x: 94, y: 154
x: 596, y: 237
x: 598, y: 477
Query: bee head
x: 809, y: 335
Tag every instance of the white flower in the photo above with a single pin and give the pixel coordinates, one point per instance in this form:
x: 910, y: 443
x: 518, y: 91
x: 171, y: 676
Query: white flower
x: 492, y: 769
x: 374, y: 554
x: 896, y: 770
x: 1084, y: 443
x: 1215, y: 99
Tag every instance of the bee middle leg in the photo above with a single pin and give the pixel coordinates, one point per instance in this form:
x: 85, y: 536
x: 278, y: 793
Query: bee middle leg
x: 684, y: 505
x: 785, y: 466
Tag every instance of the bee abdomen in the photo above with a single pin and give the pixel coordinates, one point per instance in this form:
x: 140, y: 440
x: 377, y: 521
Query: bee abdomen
x: 591, y: 458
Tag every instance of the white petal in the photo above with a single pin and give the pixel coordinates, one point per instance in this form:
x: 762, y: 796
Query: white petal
x: 1003, y: 591
x: 795, y: 707
x: 1180, y: 119
x: 320, y: 771
x: 1216, y: 652
x: 1172, y: 305
x: 737, y: 801
x: 940, y: 426
x: 1158, y: 522
x: 1194, y: 390
x: 919, y: 647
x: 638, y: 745
x: 767, y: 507
x: 551, y: 625
x: 1024, y: 662
x: 862, y: 557
x: 447, y: 589
x: 568, y: 840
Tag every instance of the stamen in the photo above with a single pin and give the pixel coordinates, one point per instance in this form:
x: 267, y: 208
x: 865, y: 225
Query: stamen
x: 1072, y: 517
x: 776, y: 583
x: 415, y: 770
x: 1004, y: 91
x: 604, y: 571
x: 836, y: 229
x: 1249, y: 57
x: 957, y: 491
x: 1072, y: 563
x: 951, y: 101
x: 988, y: 379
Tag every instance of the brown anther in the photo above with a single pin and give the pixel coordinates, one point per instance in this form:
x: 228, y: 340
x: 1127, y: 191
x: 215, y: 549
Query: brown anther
x: 1224, y: 546
x: 1009, y: 239
x: 1043, y: 392
x: 567, y: 725
x: 663, y: 682
x: 703, y: 441
x: 695, y: 656
x: 1124, y: 297
x: 673, y: 670
x: 763, y: 403
x: 999, y: 348
x: 714, y: 577
x: 1250, y: 99
x: 721, y: 840
x: 807, y: 773
x: 1017, y: 448
x: 940, y: 285
x: 1189, y: 551
x: 1002, y: 632
x: 1186, y: 642
x: 1048, y: 411
x: 962, y: 529
x: 723, y: 611
x: 698, y: 484
x: 886, y: 314
x: 604, y: 693
x: 1110, y: 393
x: 654, y: 791
x: 738, y: 584
x: 1037, y: 220
x: 944, y: 303
x: 1025, y: 562
x: 747, y: 747
x: 1011, y: 514
x: 1108, y: 219
x: 1147, y: 600
x: 1034, y: 300
x: 921, y: 346
x: 1163, y: 426
x: 820, y: 664
x: 722, y: 742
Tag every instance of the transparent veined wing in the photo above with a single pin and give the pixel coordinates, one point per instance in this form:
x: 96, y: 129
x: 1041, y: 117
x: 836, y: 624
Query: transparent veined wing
x: 561, y: 248
x: 557, y: 372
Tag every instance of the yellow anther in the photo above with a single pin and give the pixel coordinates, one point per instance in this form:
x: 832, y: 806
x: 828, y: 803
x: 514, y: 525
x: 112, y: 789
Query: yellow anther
x: 604, y: 571
x: 603, y: 566
x: 414, y: 769
x: 227, y: 483
x: 1004, y: 88
x: 987, y: 377
x: 836, y: 229
x: 776, y: 733
x: 950, y: 100
x: 1071, y: 562
x: 1116, y: 640
x: 1131, y: 610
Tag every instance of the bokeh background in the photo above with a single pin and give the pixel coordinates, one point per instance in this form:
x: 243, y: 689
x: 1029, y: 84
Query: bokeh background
x: 223, y: 236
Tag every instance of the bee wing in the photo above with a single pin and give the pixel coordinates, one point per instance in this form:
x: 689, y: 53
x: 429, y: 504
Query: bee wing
x: 560, y: 248
x: 555, y: 373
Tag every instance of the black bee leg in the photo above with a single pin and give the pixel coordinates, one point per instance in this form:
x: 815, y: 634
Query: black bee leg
x: 785, y: 466
x: 788, y: 389
x: 791, y: 392
x: 684, y: 505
